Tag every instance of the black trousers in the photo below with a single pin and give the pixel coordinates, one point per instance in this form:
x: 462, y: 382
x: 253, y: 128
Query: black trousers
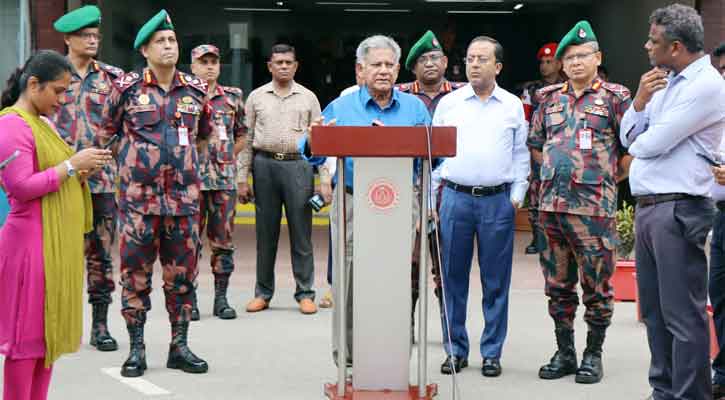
x: 289, y: 184
x: 672, y: 281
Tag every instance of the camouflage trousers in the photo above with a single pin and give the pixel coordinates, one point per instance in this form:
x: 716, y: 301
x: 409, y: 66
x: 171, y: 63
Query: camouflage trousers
x: 217, y: 217
x: 174, y: 240
x: 98, y: 246
x: 578, y: 248
x: 539, y: 239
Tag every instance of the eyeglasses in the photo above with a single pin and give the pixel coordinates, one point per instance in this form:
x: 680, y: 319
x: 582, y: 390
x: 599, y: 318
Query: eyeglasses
x: 478, y: 59
x: 578, y: 57
x: 90, y: 35
x: 434, y: 58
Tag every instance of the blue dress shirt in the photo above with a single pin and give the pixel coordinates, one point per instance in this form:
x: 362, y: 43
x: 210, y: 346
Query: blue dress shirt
x: 359, y: 109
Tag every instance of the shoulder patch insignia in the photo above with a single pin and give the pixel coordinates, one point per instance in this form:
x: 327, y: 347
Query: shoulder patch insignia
x: 115, y: 72
x: 195, y: 82
x: 233, y: 90
x: 544, y: 92
x: 618, y: 90
x: 125, y: 81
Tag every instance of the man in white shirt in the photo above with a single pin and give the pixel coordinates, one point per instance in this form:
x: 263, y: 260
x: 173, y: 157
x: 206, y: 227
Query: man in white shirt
x: 484, y: 184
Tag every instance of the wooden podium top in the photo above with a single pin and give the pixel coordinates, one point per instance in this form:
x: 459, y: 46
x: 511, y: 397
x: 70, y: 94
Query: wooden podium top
x: 382, y: 141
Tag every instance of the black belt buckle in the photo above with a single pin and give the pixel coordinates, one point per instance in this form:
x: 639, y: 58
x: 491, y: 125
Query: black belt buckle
x: 478, y: 191
x: 279, y: 156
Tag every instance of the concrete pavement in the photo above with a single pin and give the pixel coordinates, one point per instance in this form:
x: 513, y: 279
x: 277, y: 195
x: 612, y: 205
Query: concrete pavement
x: 280, y: 354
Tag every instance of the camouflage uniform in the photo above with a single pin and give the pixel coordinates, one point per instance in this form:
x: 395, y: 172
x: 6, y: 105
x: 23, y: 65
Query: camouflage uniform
x: 531, y: 103
x: 431, y: 104
x: 218, y: 176
x: 578, y: 195
x: 78, y: 120
x: 159, y: 186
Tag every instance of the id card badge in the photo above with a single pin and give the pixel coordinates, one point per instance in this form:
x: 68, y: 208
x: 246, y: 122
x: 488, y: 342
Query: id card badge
x: 183, y: 136
x: 222, y: 131
x: 585, y: 139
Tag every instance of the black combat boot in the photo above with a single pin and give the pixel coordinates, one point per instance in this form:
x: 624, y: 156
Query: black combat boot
x: 221, y: 305
x: 135, y: 365
x: 591, y: 370
x: 180, y: 356
x: 100, y: 337
x: 194, y: 307
x: 564, y: 361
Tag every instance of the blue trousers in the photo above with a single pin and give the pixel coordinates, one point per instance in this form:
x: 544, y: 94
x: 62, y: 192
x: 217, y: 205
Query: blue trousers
x: 490, y: 221
x: 717, y: 293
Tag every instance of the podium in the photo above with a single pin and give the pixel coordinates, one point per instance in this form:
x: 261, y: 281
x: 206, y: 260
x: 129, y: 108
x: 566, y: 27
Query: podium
x: 383, y: 232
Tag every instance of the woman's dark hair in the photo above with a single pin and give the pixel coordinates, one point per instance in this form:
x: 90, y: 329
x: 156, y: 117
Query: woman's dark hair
x: 46, y: 65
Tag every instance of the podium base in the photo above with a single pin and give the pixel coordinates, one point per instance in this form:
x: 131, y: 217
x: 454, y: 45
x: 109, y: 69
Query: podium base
x: 350, y: 394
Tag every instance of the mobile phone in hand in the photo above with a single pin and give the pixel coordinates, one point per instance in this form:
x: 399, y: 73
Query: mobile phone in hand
x: 709, y: 160
x: 110, y: 143
x: 10, y: 159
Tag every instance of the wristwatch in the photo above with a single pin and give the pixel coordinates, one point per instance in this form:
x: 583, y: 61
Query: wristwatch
x: 69, y: 167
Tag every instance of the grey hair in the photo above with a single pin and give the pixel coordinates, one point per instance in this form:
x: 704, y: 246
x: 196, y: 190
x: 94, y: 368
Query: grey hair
x: 376, y: 42
x: 593, y: 45
x: 681, y: 23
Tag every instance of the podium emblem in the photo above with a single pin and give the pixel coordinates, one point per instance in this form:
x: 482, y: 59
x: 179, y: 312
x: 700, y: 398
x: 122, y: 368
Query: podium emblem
x: 383, y: 195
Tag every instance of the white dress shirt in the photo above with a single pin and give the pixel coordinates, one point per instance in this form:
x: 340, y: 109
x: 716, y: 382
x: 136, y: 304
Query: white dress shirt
x: 491, y: 141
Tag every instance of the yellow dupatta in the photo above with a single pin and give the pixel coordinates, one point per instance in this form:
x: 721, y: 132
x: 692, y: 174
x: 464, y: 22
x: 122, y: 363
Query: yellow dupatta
x: 66, y: 216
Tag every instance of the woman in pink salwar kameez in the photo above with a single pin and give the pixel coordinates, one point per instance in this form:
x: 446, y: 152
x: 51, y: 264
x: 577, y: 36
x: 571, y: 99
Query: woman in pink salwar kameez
x: 40, y: 197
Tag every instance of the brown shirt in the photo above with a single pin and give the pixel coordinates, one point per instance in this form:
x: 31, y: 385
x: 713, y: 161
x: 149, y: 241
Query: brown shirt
x: 275, y: 123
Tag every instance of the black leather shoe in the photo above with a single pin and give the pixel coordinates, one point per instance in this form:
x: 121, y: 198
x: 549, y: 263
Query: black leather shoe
x: 194, y: 308
x: 451, y: 363
x: 531, y: 249
x: 563, y: 362
x: 222, y: 309
x: 135, y: 365
x: 101, y: 338
x: 491, y: 367
x: 591, y: 369
x: 180, y: 356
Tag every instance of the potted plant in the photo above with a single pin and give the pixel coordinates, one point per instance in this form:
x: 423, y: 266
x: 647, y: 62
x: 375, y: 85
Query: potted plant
x: 625, y: 278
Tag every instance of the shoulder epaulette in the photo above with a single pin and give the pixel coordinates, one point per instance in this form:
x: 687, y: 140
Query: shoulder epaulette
x: 125, y: 81
x: 545, y: 91
x: 620, y: 91
x: 193, y: 81
x: 115, y: 72
x: 233, y: 90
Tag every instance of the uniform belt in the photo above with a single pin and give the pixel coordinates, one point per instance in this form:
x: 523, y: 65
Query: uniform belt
x: 279, y: 156
x: 652, y: 199
x: 477, y: 191
x: 720, y: 205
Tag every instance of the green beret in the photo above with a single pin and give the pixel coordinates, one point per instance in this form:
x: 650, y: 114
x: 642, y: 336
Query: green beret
x: 426, y: 43
x: 84, y: 17
x: 581, y: 33
x: 159, y: 22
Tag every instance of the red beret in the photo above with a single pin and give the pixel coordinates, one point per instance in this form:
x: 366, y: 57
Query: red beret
x: 547, y: 50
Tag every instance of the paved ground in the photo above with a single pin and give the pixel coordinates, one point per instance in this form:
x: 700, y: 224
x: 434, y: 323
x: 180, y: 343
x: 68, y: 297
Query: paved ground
x: 280, y: 354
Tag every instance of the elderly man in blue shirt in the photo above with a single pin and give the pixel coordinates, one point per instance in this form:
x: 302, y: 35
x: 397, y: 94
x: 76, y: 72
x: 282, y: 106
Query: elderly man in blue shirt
x: 378, y: 64
x: 484, y: 184
x: 678, y: 113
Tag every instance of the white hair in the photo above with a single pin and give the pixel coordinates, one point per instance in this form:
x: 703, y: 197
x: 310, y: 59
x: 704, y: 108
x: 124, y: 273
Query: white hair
x: 377, y: 42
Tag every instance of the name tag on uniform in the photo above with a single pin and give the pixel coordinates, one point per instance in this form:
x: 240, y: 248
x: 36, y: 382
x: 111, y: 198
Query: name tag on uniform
x: 222, y: 132
x: 188, y: 109
x: 585, y: 139
x: 555, y: 108
x: 183, y: 136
